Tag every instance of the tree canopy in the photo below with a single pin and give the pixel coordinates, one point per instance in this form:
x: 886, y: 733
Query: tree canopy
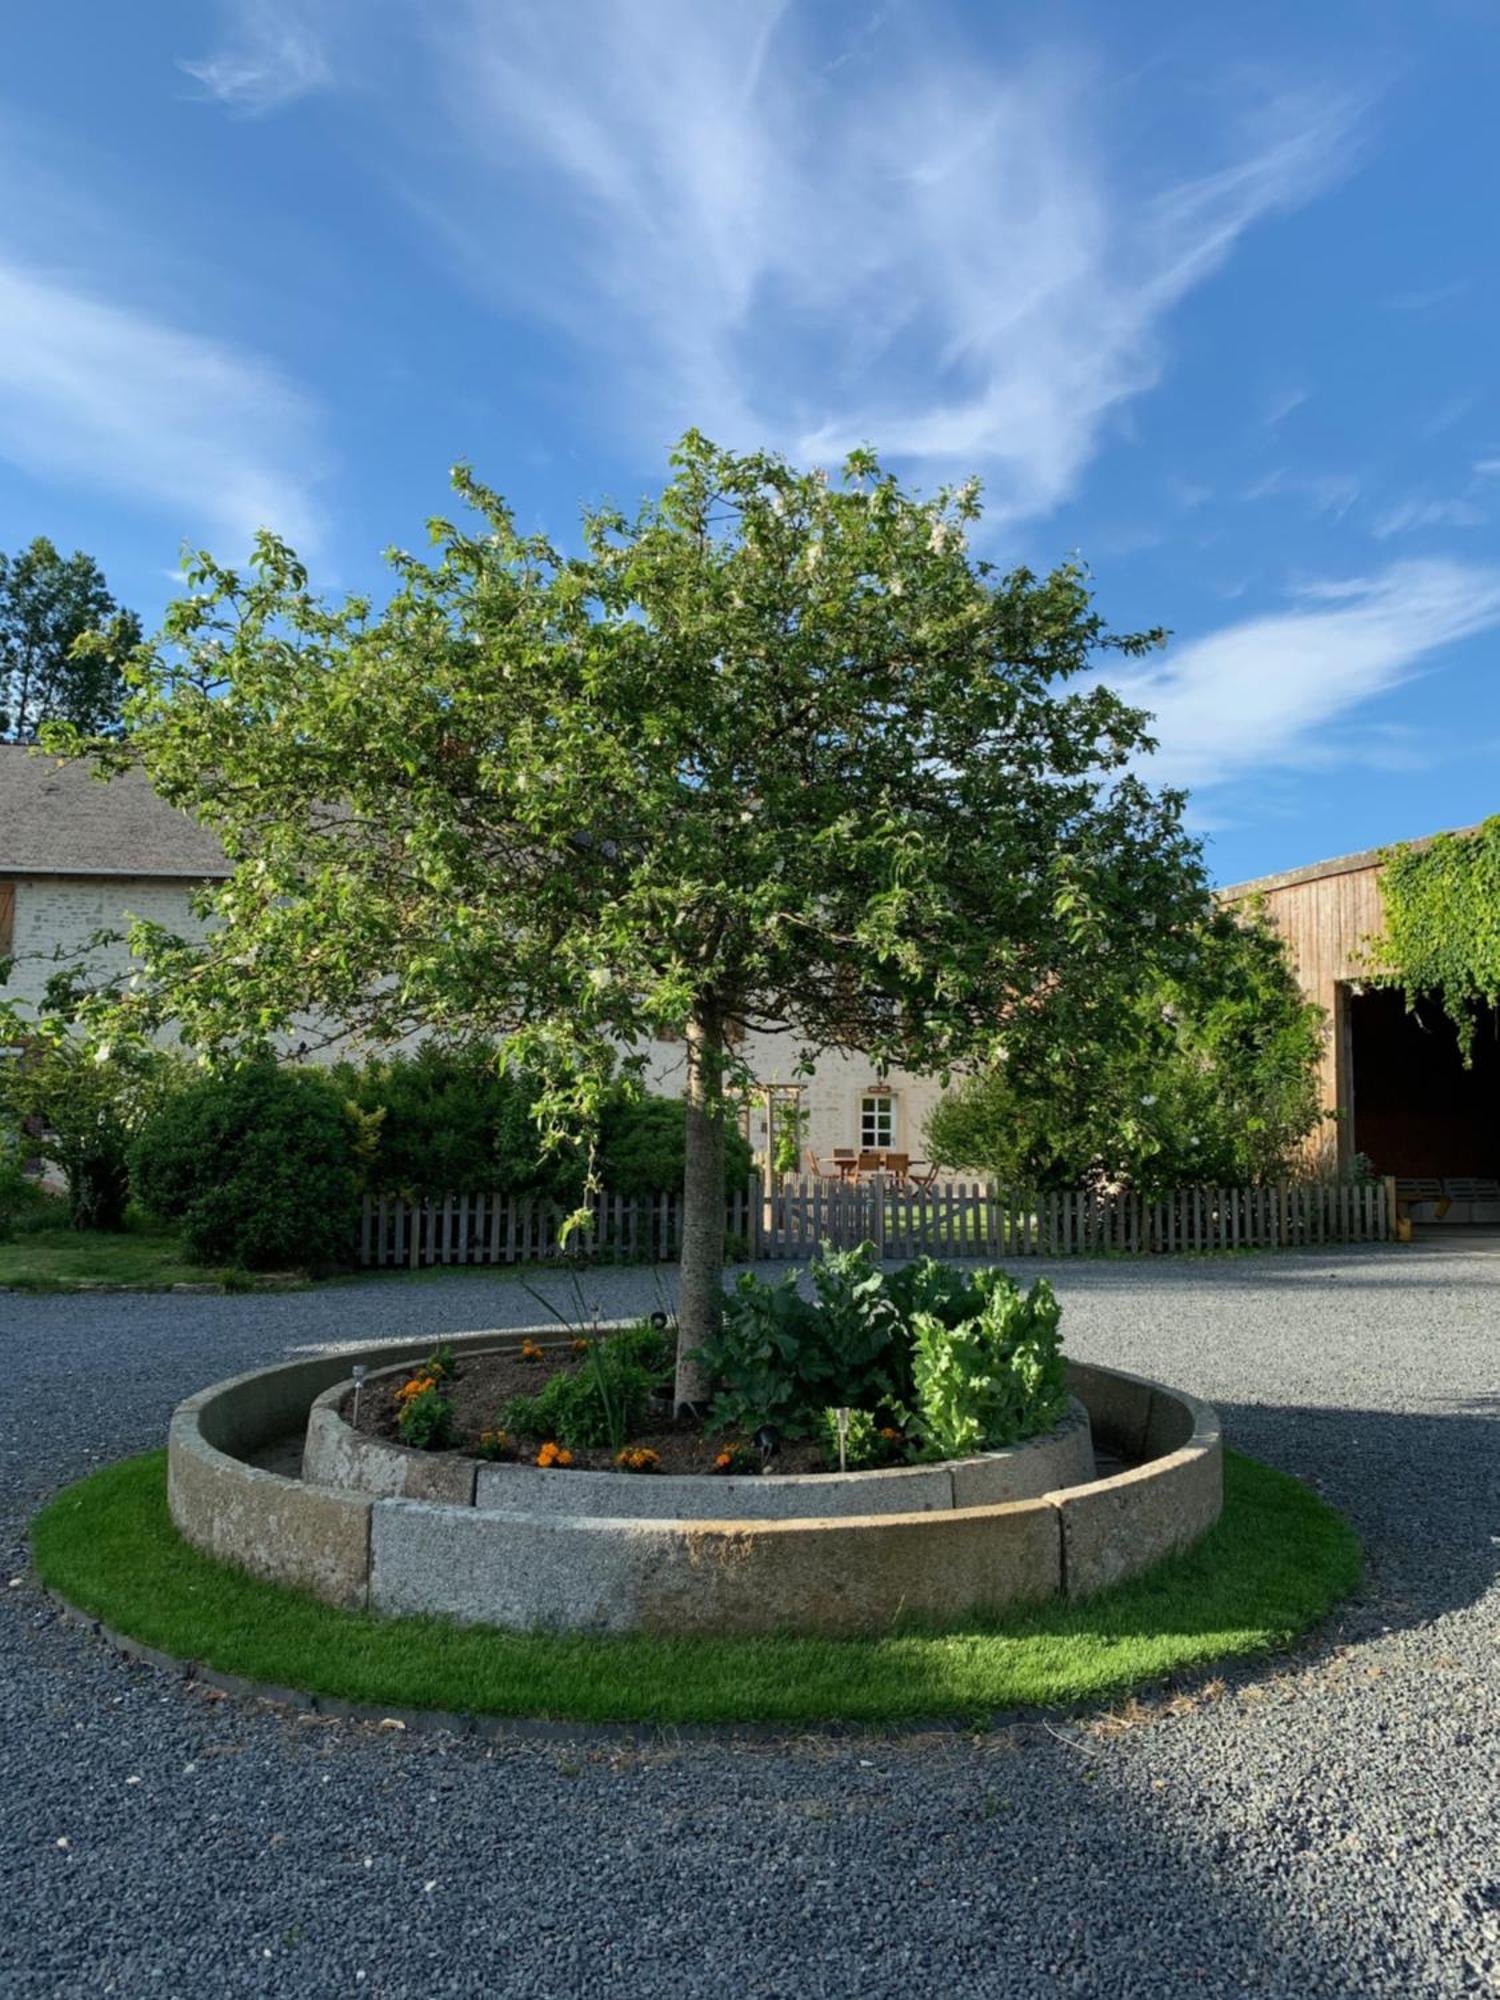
x: 774, y: 750
x: 63, y: 643
x: 1204, y: 1072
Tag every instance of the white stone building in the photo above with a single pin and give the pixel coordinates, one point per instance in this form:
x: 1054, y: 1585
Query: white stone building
x: 78, y: 856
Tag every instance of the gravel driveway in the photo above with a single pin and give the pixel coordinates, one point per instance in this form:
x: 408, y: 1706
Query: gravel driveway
x: 1327, y: 1825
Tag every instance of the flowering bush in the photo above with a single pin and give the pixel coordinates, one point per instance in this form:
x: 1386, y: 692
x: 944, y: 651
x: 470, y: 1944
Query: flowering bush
x: 737, y: 1457
x: 426, y: 1415
x: 638, y: 1458
x: 553, y: 1454
x: 492, y: 1444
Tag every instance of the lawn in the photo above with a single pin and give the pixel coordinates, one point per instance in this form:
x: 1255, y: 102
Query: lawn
x: 60, y: 1259
x: 1277, y: 1562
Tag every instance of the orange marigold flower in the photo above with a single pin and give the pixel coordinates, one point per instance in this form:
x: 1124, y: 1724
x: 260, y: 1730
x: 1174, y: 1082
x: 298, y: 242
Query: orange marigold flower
x: 531, y: 1352
x: 581, y: 1346
x: 552, y: 1453
x: 417, y: 1386
x: 724, y: 1460
x: 637, y: 1458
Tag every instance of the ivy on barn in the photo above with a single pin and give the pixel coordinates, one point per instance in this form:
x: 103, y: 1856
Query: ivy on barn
x: 1442, y: 924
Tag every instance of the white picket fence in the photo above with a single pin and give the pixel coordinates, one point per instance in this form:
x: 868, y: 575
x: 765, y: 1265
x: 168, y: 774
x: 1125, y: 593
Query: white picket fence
x: 951, y: 1219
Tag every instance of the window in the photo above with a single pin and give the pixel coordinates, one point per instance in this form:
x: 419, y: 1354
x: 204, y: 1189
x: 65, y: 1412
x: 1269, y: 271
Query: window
x: 877, y: 1121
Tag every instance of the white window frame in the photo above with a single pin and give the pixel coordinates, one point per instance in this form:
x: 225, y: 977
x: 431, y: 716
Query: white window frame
x: 877, y: 1109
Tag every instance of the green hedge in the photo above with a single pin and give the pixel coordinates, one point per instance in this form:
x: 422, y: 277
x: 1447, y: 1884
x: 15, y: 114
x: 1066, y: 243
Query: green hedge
x: 265, y: 1166
x: 256, y: 1167
x: 452, y: 1122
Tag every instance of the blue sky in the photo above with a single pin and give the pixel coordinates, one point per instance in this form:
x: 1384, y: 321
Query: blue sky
x: 1207, y: 296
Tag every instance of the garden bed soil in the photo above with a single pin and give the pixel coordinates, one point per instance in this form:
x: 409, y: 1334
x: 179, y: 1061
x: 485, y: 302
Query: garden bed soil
x: 485, y: 1383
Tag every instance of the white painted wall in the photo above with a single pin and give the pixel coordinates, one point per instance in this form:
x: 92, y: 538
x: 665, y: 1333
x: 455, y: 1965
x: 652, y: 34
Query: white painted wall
x: 65, y: 911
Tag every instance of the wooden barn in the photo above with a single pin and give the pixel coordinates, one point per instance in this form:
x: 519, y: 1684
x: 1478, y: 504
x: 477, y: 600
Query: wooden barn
x: 1392, y: 1068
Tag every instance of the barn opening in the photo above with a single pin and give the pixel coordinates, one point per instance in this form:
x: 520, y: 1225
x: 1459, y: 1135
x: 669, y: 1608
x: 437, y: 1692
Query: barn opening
x: 1418, y: 1112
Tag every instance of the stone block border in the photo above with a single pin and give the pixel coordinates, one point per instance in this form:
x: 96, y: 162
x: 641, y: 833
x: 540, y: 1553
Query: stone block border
x: 336, y: 1455
x: 837, y: 1575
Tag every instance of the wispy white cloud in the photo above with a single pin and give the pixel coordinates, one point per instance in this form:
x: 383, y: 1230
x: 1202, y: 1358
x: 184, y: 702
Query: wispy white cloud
x: 106, y: 396
x: 1267, y: 691
x: 957, y: 259
x: 1424, y: 301
x: 1282, y: 406
x: 1419, y: 512
x: 273, y: 54
x: 1330, y: 493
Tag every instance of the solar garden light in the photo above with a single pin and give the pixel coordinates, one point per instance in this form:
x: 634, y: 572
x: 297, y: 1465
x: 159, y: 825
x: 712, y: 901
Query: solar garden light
x: 841, y: 1418
x: 360, y: 1372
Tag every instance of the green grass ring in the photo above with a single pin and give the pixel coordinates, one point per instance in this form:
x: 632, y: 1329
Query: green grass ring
x: 1277, y: 1561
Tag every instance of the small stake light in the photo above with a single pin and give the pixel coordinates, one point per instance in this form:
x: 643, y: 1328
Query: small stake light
x: 841, y: 1418
x: 360, y: 1372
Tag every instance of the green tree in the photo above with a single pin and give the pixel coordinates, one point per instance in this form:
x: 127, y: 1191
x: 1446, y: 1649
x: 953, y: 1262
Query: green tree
x: 774, y: 751
x: 63, y: 643
x: 84, y: 1114
x: 1205, y: 1072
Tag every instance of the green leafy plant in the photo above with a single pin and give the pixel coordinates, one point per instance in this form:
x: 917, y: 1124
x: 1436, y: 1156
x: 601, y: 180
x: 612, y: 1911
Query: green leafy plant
x: 1441, y: 934
x: 440, y: 1364
x: 602, y: 1403
x: 645, y: 1346
x: 863, y: 1443
x: 255, y: 1167
x: 83, y: 1109
x: 782, y: 1359
x: 1204, y: 1072
x: 426, y: 1420
x: 993, y: 1379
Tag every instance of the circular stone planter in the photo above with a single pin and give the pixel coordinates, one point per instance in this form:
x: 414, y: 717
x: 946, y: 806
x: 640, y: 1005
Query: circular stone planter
x: 525, y: 1567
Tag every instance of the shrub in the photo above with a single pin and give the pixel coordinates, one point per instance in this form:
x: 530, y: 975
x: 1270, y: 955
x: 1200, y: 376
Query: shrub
x: 601, y: 1404
x: 782, y: 1359
x: 992, y: 1379
x: 452, y: 1121
x: 647, y: 1345
x: 643, y: 1148
x: 426, y: 1419
x: 1205, y: 1074
x: 255, y: 1168
x: 863, y: 1444
x: 83, y: 1114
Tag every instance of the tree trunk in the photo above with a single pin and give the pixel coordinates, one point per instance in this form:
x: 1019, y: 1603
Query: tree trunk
x: 700, y: 1294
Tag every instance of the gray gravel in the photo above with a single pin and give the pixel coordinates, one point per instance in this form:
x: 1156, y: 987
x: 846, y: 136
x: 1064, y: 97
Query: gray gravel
x: 1326, y: 1825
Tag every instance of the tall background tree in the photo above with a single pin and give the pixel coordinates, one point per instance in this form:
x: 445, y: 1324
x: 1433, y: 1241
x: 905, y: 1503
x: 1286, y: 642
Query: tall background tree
x: 774, y: 752
x: 63, y: 643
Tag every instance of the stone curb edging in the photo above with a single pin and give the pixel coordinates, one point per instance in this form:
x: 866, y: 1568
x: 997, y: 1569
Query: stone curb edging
x: 338, y: 1456
x: 835, y: 1575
